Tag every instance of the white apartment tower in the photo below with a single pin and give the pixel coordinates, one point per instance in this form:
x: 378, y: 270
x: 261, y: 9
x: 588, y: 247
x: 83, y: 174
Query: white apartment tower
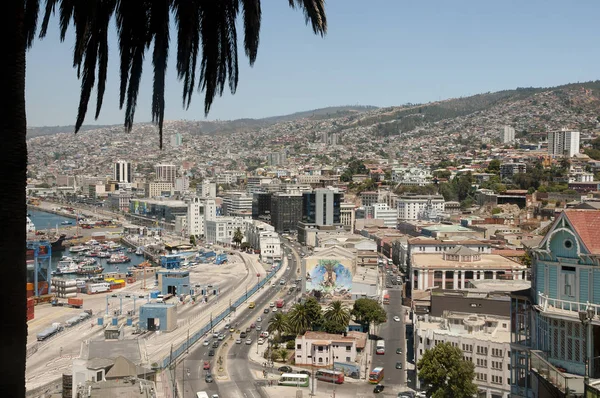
x: 200, y: 210
x: 166, y: 172
x: 509, y: 135
x: 563, y: 143
x: 122, y: 171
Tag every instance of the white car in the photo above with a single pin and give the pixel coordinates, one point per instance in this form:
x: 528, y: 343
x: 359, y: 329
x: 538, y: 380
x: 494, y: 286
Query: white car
x: 259, y: 319
x: 261, y: 341
x: 258, y: 327
x: 248, y: 341
x: 238, y: 341
x: 274, y: 309
x: 206, y: 343
x: 271, y: 304
x: 397, y: 318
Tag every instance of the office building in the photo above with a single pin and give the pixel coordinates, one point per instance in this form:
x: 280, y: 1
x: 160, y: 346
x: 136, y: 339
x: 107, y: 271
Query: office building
x: 563, y: 143
x: 237, y: 204
x: 415, y: 207
x: 256, y: 184
x: 555, y: 342
x: 154, y: 189
x: 182, y: 184
x: 321, y: 207
x: 508, y: 135
x: 222, y: 229
x: 381, y: 211
x: 286, y: 211
x: 508, y: 170
x: 261, y: 206
x: 165, y: 172
x: 199, y: 211
x: 347, y: 215
x: 206, y: 189
x: 122, y: 172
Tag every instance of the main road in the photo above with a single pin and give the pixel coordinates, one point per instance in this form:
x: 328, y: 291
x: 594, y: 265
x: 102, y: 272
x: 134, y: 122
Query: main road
x: 242, y: 382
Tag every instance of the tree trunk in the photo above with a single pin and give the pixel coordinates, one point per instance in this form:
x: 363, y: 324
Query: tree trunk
x: 13, y: 210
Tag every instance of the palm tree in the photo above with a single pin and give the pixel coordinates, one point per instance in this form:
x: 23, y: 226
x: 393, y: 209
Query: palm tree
x: 337, y: 314
x: 278, y: 323
x: 299, y: 319
x: 203, y: 27
x: 238, y: 237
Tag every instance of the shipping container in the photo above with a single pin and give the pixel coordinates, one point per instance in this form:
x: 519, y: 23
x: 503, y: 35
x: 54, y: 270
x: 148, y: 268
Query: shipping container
x: 75, y: 302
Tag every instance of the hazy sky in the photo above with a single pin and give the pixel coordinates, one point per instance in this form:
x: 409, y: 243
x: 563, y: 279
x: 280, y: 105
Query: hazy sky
x: 379, y: 52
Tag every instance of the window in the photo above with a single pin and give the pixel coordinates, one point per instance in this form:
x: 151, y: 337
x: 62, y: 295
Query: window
x: 320, y: 360
x: 569, y: 282
x: 298, y: 346
x: 347, y: 359
x: 568, y: 243
x: 348, y: 348
x: 496, y: 379
x: 496, y: 352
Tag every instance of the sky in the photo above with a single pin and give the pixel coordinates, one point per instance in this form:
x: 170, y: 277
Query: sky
x: 379, y: 52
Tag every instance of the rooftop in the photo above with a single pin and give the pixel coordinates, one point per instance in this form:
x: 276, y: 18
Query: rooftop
x: 488, y: 261
x: 587, y: 224
x: 453, y: 325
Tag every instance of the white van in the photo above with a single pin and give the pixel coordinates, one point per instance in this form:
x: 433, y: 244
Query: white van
x: 202, y: 394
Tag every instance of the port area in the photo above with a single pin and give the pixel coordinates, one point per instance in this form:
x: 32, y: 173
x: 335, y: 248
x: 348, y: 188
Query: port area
x: 47, y: 360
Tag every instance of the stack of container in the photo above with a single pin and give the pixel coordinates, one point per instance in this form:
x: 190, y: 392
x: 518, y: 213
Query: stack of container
x: 116, y: 283
x: 64, y: 288
x: 29, y: 290
x: 30, y: 308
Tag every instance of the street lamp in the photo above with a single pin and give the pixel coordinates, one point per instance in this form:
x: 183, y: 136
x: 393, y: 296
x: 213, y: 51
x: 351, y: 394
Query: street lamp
x: 586, y: 318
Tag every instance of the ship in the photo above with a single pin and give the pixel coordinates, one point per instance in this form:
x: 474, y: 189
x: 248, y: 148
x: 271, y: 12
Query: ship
x: 30, y: 225
x: 103, y: 255
x: 144, y: 264
x: 139, y: 251
x: 66, y: 267
x: 66, y: 223
x: 87, y: 269
x: 118, y: 259
x: 77, y: 249
x: 57, y: 245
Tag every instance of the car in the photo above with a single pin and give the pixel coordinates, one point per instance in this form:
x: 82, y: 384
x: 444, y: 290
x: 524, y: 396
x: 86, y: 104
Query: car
x: 243, y: 335
x: 266, y: 311
x: 208, y: 378
x: 285, y: 369
x: 271, y: 304
x: 261, y: 341
x: 304, y: 372
x: 378, y: 388
x: 216, y: 334
x: 206, y: 343
x: 259, y: 319
x: 258, y: 327
x: 398, y: 351
x: 396, y: 318
x: 274, y: 309
x: 206, y: 365
x: 294, y: 286
x: 380, y: 351
x: 238, y: 341
x: 248, y: 341
x: 215, y: 344
x: 214, y: 396
x: 227, y: 326
x: 252, y: 325
x: 398, y: 365
x: 231, y: 329
x: 211, y: 353
x: 282, y: 282
x: 264, y: 334
x: 221, y: 337
x: 421, y: 394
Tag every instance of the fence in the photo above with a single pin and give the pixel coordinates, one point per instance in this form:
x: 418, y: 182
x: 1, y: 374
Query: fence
x: 198, y: 335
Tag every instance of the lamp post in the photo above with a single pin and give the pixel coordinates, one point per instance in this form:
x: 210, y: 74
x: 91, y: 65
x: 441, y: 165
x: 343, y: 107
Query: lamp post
x: 586, y: 318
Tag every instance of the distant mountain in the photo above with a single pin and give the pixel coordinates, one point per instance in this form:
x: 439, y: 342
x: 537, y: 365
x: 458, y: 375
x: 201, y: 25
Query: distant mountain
x: 208, y: 127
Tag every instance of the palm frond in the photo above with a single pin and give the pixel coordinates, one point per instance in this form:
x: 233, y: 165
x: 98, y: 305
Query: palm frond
x: 32, y: 8
x: 188, y: 38
x: 252, y: 16
x: 50, y: 6
x: 314, y: 12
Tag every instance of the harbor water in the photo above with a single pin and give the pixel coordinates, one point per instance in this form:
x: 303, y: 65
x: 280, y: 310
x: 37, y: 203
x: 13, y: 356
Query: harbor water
x: 43, y: 220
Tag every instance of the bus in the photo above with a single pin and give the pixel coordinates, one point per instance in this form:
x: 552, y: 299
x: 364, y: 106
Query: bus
x: 376, y: 375
x: 293, y: 380
x: 330, y: 376
x: 386, y: 297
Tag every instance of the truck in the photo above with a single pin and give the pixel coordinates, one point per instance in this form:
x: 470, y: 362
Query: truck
x: 280, y: 303
x: 386, y: 297
x: 72, y: 302
x: 49, y: 331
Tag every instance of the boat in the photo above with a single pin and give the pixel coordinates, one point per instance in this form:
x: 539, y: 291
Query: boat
x: 139, y: 251
x: 113, y: 247
x: 103, y: 254
x: 144, y: 264
x: 57, y: 245
x: 92, y: 254
x: 130, y: 250
x: 30, y: 225
x: 66, y: 267
x: 92, y: 242
x: 77, y: 249
x: 118, y: 259
x: 90, y: 269
x: 66, y: 223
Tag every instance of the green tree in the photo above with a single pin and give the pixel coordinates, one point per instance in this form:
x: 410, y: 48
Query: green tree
x: 299, y: 319
x: 203, y: 28
x: 238, y: 236
x: 446, y: 374
x: 283, y: 353
x: 278, y: 324
x: 336, y: 317
x: 494, y: 166
x: 192, y: 240
x: 367, y: 311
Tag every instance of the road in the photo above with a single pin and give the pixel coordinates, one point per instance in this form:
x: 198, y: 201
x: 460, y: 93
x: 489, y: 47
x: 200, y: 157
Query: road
x: 394, y: 334
x: 242, y: 382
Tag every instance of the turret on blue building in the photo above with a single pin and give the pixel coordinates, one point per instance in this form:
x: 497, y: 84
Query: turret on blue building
x: 555, y: 325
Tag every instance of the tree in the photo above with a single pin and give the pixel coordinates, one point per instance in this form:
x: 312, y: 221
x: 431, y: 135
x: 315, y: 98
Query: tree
x: 367, y: 311
x: 192, y: 240
x: 238, y: 236
x: 203, y: 27
x: 278, y: 323
x: 336, y: 317
x: 299, y: 319
x: 494, y: 166
x: 283, y: 353
x: 315, y: 312
x: 446, y: 374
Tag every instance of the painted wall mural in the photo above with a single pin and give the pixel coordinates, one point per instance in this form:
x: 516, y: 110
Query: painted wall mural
x: 329, y: 276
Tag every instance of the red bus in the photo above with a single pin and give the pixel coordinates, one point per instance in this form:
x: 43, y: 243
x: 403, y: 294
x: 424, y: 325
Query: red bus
x: 386, y: 297
x: 376, y: 375
x: 330, y: 376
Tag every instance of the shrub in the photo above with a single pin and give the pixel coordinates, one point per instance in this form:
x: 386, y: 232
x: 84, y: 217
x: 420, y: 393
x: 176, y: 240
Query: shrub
x: 290, y: 345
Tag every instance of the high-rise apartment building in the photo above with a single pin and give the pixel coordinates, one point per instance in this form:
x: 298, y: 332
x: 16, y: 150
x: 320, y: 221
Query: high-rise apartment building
x: 122, y: 172
x: 207, y: 189
x: 321, y: 207
x: 200, y: 210
x: 166, y: 172
x: 237, y: 204
x: 508, y: 135
x: 563, y: 143
x: 286, y: 211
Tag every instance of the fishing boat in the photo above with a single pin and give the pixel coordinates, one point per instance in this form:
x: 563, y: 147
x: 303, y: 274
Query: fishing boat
x: 77, y: 249
x: 139, y: 251
x: 103, y: 254
x: 113, y: 247
x: 66, y: 223
x: 66, y: 267
x: 92, y: 254
x: 30, y: 226
x: 90, y: 269
x: 144, y: 264
x: 118, y: 259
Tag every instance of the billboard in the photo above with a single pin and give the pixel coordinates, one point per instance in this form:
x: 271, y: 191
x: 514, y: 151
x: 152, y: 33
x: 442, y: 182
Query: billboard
x: 331, y: 277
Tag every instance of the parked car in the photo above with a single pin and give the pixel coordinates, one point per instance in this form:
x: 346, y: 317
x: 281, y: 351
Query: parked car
x: 398, y: 351
x: 252, y: 325
x: 398, y: 365
x: 259, y: 319
x: 285, y: 369
x: 271, y: 304
x: 304, y: 372
x: 261, y: 341
x: 396, y: 318
x: 378, y: 388
x: 258, y: 327
x: 266, y: 311
x: 248, y: 330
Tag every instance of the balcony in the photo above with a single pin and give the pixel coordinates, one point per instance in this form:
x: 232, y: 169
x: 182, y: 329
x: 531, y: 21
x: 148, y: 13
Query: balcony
x: 563, y: 382
x: 571, y: 308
